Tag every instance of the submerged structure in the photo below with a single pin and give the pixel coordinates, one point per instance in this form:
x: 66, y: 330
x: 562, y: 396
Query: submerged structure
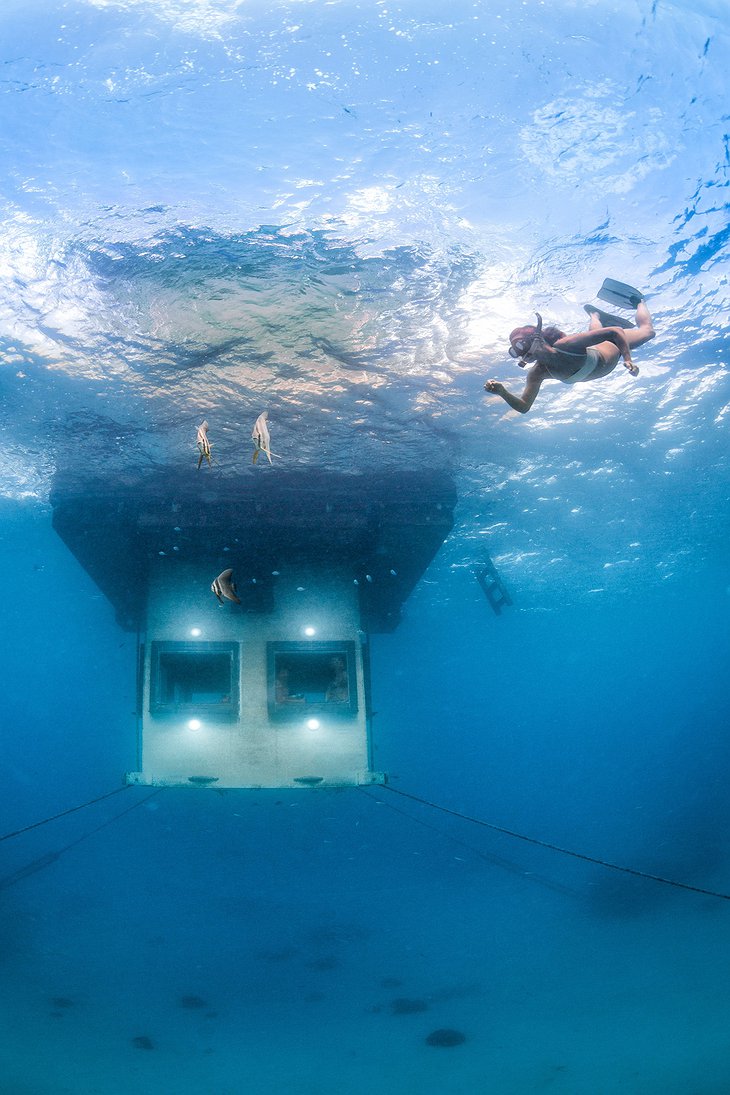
x: 492, y: 585
x: 271, y: 689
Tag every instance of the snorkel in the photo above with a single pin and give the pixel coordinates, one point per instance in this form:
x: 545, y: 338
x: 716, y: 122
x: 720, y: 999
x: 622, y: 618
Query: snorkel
x: 521, y: 340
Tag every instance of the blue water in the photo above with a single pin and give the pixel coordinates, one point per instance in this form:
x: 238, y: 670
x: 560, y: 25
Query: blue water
x: 339, y: 211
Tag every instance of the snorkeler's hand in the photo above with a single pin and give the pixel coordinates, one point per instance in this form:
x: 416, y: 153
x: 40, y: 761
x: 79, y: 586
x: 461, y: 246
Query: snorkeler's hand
x: 633, y: 369
x: 495, y: 387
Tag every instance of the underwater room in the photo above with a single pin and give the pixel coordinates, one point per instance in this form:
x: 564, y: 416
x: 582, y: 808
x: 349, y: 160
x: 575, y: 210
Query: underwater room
x: 364, y: 511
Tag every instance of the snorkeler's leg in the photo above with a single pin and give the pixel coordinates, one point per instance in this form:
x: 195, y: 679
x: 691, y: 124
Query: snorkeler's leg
x: 644, y: 330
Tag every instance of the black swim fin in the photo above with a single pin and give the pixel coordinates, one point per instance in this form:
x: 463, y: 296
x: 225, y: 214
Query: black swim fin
x: 623, y: 296
x: 608, y: 320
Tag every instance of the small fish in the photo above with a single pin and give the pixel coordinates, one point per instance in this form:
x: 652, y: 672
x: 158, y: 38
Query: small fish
x: 203, y: 444
x: 261, y: 439
x: 224, y: 586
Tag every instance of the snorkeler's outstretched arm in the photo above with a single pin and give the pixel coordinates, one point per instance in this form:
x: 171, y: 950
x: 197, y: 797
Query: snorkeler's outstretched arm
x: 521, y: 403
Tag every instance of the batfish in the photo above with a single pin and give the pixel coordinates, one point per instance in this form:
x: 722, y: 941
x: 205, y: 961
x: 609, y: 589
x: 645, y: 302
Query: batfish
x: 261, y: 439
x: 224, y: 587
x: 203, y: 444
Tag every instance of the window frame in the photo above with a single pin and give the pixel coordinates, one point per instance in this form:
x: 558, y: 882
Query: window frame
x: 286, y: 712
x: 223, y: 712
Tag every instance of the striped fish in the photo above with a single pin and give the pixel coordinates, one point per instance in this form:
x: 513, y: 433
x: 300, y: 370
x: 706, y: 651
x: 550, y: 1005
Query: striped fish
x: 224, y: 587
x: 203, y: 444
x: 260, y: 437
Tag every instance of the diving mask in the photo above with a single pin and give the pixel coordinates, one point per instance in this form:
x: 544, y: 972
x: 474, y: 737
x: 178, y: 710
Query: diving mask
x: 522, y: 338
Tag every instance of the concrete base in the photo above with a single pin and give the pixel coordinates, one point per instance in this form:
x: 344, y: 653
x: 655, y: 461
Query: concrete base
x: 147, y: 779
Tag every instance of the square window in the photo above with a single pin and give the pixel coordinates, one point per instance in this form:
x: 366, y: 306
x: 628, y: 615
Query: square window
x: 311, y: 677
x: 200, y: 677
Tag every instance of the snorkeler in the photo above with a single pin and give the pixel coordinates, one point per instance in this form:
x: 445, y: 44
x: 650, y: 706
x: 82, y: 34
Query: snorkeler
x: 572, y: 359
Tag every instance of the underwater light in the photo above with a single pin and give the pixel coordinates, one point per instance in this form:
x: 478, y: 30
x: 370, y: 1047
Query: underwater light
x: 312, y: 724
x: 194, y: 724
x: 310, y: 631
x: 195, y: 631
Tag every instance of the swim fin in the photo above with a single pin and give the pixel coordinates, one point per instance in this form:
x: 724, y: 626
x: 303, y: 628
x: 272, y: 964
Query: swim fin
x: 624, y: 296
x: 608, y: 320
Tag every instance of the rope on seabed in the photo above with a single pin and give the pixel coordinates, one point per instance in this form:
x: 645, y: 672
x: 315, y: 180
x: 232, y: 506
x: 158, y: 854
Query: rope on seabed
x: 52, y: 857
x: 556, y: 847
x: 64, y: 813
x: 113, y: 818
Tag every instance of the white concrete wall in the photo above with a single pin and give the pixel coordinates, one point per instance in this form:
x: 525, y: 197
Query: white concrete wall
x: 253, y: 751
